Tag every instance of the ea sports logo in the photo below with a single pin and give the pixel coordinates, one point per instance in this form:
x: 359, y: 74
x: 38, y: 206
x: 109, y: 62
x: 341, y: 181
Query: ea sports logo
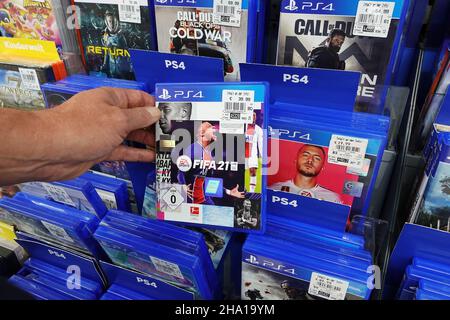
x: 184, y: 163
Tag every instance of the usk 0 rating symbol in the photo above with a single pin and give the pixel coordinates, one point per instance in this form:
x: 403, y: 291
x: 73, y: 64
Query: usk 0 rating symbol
x: 173, y: 198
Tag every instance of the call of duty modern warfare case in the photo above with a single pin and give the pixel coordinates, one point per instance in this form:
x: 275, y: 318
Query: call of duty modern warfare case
x: 344, y: 35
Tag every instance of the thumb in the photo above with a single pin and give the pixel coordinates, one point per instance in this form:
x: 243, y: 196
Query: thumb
x: 138, y: 118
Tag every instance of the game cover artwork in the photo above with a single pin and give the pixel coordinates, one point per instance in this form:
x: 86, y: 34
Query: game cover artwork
x: 194, y: 31
x: 209, y: 171
x: 108, y: 31
x: 328, y: 41
x: 306, y: 170
x: 29, y: 19
x: 14, y: 94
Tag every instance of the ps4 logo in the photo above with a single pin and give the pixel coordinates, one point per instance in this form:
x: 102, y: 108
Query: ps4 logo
x: 176, y: 1
x: 180, y: 94
x: 269, y: 264
x: 284, y: 133
x: 57, y: 254
x: 146, y: 282
x: 309, y: 5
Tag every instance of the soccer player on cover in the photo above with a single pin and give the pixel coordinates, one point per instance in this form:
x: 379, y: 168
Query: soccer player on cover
x: 246, y: 216
x: 195, y: 179
x: 253, y: 148
x: 309, y: 164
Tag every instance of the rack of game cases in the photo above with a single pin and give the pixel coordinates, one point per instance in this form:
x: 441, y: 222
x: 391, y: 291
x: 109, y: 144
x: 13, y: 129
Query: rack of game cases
x: 418, y: 263
x: 277, y: 148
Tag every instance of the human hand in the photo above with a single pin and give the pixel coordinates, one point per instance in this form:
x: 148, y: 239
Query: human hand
x: 236, y: 193
x: 67, y: 140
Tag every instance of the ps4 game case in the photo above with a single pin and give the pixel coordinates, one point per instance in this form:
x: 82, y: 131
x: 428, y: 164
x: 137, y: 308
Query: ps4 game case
x: 210, y: 28
x: 344, y: 35
x: 108, y: 29
x: 210, y: 147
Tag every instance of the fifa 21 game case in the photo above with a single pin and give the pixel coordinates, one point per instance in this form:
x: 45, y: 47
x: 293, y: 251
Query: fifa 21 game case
x: 431, y: 207
x: 20, y: 86
x: 327, y: 162
x: 210, y: 146
x: 268, y: 273
x: 109, y: 28
x: 355, y: 35
x: 225, y: 29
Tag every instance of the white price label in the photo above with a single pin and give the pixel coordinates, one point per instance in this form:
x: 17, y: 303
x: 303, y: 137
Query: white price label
x: 362, y: 171
x: 130, y: 11
x: 238, y: 106
x: 57, y: 231
x: 327, y: 287
x: 108, y: 198
x: 30, y: 79
x: 227, y: 12
x: 58, y: 194
x: 373, y: 18
x: 347, y: 151
x: 167, y: 267
x: 231, y: 128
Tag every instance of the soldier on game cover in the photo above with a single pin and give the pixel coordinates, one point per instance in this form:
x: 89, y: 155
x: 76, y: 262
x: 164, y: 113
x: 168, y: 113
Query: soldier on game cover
x: 326, y: 56
x: 114, y: 65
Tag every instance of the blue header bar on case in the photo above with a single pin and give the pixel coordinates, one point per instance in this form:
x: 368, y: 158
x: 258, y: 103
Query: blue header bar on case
x: 333, y: 7
x: 193, y: 3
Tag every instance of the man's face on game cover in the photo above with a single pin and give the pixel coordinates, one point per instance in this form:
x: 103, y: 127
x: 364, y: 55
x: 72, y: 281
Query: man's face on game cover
x: 310, y: 161
x: 336, y: 43
x: 247, y: 205
x: 210, y: 134
x: 170, y: 112
x: 111, y: 22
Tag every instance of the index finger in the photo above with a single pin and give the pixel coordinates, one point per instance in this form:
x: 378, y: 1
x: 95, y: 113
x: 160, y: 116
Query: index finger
x: 129, y: 98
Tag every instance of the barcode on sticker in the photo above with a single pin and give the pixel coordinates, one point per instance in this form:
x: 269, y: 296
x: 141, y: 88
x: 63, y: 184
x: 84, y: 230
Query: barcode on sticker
x: 370, y: 18
x: 57, y: 231
x: 235, y: 106
x: 29, y: 78
x: 348, y: 148
x: 167, y: 267
x: 327, y: 287
x: 58, y: 194
x: 127, y: 8
x: 130, y: 11
x: 373, y: 18
x: 223, y: 9
x: 347, y: 151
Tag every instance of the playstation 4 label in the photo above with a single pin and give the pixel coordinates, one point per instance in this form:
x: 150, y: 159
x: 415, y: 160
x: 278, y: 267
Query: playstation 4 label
x: 344, y: 35
x: 210, y: 146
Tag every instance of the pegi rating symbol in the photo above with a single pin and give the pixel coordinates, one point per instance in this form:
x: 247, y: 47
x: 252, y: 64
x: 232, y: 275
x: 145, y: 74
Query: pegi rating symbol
x: 173, y: 198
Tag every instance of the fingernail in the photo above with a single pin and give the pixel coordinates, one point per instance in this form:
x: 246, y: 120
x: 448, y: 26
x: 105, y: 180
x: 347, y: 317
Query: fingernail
x: 154, y: 112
